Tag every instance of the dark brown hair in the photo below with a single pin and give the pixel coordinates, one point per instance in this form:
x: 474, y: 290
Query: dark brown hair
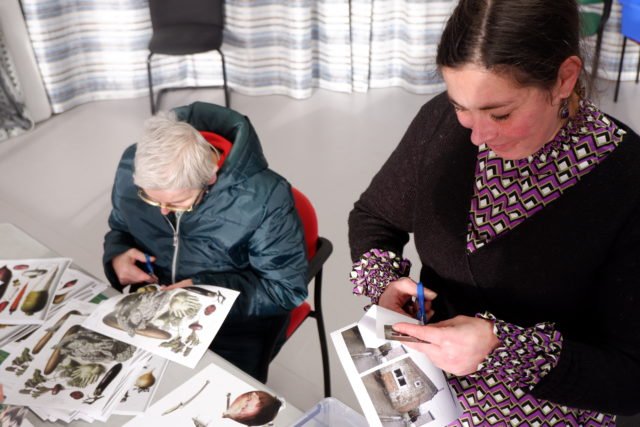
x: 526, y: 39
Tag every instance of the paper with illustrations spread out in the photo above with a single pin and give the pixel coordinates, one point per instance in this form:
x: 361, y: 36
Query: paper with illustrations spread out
x: 27, y: 288
x: 393, y: 383
x: 212, y: 397
x: 178, y: 324
x: 73, y: 286
x: 74, y: 369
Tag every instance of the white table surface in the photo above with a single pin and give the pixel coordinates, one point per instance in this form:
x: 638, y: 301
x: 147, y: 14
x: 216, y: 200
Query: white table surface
x: 16, y: 244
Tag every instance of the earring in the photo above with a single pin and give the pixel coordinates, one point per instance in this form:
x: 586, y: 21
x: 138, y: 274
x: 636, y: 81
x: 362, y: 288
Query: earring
x: 563, y: 113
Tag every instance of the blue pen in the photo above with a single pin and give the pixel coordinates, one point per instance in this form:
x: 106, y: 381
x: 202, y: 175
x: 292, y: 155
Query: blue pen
x: 422, y: 314
x: 149, y: 265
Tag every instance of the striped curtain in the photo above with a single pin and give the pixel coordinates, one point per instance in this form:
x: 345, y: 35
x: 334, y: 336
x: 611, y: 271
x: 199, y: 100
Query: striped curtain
x: 94, y: 50
x: 14, y: 119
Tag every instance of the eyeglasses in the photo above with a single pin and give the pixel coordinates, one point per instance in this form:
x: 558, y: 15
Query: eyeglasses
x: 171, y: 208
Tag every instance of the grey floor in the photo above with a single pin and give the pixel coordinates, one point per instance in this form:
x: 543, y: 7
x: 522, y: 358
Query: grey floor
x: 57, y: 181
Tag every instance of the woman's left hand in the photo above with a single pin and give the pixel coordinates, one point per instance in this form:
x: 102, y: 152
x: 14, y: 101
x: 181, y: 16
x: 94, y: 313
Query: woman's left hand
x: 456, y: 345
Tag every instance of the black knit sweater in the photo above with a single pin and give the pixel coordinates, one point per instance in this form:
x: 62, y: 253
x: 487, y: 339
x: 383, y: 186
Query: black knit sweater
x: 575, y: 263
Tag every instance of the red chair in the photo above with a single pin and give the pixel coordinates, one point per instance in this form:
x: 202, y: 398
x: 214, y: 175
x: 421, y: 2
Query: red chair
x: 318, y: 251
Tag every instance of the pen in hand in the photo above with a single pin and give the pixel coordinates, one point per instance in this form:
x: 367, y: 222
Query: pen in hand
x: 422, y: 313
x: 150, y: 271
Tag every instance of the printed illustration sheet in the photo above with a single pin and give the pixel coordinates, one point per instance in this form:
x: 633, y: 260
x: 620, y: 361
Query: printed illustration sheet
x: 75, y: 285
x: 23, y: 352
x: 27, y: 288
x: 394, y: 384
x: 139, y: 396
x: 213, y: 397
x: 75, y: 370
x: 178, y: 324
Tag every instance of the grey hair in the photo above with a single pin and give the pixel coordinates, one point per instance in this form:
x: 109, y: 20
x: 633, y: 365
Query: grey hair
x: 172, y: 155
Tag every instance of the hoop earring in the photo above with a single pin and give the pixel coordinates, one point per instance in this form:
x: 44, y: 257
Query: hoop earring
x: 563, y: 112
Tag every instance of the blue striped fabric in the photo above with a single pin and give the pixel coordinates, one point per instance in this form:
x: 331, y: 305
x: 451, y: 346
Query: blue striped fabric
x: 94, y: 50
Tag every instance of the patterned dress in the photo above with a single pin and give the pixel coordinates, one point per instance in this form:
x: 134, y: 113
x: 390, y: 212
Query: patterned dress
x: 507, y: 193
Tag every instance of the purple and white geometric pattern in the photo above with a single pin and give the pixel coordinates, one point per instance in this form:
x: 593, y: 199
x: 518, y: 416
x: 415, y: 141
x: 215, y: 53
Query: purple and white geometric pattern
x: 536, y: 350
x: 506, y: 192
x: 374, y: 270
x: 498, y: 393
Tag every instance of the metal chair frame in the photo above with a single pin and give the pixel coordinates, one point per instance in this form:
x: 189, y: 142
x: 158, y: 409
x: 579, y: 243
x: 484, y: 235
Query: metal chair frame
x: 155, y: 102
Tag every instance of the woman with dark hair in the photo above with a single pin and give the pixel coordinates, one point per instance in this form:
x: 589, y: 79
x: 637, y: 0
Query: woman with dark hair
x: 524, y: 201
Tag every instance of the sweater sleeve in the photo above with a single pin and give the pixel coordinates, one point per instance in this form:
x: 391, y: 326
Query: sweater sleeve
x: 374, y: 270
x: 118, y: 239
x: 383, y: 216
x: 524, y: 356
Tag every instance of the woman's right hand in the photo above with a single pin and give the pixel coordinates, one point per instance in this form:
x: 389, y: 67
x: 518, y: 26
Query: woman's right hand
x: 126, y: 269
x: 399, y: 294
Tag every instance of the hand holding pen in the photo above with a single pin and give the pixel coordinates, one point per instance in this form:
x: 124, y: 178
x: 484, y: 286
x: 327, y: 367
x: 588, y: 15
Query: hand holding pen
x: 401, y: 296
x: 150, y: 271
x: 126, y: 268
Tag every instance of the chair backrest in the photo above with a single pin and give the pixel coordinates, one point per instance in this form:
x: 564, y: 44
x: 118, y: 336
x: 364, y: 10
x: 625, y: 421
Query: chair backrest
x: 309, y: 221
x: 591, y: 22
x: 166, y: 13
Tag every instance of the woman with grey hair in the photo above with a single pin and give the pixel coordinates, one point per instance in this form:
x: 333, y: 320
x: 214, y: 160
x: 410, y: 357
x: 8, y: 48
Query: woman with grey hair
x: 196, y: 195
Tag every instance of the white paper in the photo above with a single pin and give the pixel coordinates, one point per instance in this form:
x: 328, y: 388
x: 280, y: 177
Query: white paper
x: 27, y: 288
x: 138, y: 398
x: 74, y: 285
x: 23, y: 353
x: 393, y: 383
x: 70, y: 371
x: 203, y: 399
x: 178, y: 324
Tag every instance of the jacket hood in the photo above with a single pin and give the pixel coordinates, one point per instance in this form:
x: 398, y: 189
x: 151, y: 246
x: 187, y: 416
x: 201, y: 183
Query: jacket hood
x: 246, y: 157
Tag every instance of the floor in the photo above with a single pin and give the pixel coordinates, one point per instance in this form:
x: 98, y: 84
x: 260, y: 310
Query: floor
x: 58, y: 179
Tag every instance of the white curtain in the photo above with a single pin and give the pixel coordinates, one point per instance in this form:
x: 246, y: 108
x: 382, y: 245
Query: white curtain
x: 14, y: 118
x: 95, y: 50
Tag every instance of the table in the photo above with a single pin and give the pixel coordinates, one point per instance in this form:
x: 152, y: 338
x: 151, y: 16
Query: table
x: 16, y: 243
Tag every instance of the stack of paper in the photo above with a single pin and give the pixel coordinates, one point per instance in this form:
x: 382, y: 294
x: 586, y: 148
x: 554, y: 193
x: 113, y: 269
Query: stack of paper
x: 71, y: 285
x: 66, y: 372
x: 69, y: 359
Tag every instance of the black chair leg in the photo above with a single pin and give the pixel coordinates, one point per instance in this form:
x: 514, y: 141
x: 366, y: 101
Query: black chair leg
x: 224, y: 79
x: 322, y: 334
x: 150, y: 82
x: 624, y: 46
x: 596, y: 61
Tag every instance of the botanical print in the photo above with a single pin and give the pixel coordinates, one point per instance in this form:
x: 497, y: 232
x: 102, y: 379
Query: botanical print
x: 74, y: 285
x: 27, y: 288
x: 394, y: 384
x: 12, y: 416
x: 212, y: 398
x: 76, y: 369
x: 139, y: 396
x: 178, y: 324
x: 23, y: 352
